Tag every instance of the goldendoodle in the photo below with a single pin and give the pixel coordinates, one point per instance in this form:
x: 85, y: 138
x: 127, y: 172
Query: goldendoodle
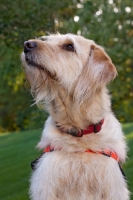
x: 82, y: 141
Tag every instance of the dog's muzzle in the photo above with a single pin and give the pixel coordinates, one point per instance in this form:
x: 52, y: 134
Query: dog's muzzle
x: 30, y: 58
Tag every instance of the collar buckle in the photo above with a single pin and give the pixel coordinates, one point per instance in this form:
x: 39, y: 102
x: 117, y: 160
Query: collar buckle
x: 97, y: 127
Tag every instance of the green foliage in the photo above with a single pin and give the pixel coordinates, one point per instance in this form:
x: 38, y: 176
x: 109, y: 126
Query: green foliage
x: 108, y: 22
x: 17, y: 150
x: 19, y: 21
x: 15, y: 102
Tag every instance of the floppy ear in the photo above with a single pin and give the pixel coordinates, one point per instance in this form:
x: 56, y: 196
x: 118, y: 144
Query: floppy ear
x: 98, y: 71
x: 102, y: 64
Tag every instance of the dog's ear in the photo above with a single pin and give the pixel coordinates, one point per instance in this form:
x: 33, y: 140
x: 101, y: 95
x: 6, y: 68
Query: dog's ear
x: 102, y: 64
x: 97, y: 72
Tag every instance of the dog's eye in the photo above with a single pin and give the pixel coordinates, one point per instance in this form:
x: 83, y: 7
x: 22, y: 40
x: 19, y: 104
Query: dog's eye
x: 69, y: 47
x: 43, y: 38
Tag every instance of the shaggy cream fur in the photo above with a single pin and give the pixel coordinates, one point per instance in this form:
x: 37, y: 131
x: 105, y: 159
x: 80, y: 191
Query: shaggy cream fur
x: 68, y: 75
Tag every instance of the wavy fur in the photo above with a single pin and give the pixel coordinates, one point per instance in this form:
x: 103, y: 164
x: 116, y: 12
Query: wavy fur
x: 68, y: 74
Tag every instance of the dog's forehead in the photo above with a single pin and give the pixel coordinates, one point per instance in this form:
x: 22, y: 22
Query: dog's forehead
x: 60, y: 38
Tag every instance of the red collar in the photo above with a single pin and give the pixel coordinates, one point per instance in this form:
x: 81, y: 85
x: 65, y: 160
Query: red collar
x: 94, y: 128
x: 107, y: 153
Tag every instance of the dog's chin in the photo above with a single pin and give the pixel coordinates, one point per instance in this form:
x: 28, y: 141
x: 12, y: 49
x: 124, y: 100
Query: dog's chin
x: 31, y: 63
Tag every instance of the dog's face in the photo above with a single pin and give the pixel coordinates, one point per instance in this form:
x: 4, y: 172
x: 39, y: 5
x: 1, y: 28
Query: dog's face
x: 71, y: 62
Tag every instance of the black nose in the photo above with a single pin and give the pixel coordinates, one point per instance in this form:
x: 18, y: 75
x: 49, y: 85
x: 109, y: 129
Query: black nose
x: 29, y: 45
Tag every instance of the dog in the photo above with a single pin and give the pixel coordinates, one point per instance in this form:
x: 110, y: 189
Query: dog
x: 82, y: 141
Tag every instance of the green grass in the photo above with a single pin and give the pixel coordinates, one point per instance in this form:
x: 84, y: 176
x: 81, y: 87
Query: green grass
x: 17, y: 150
x: 128, y: 167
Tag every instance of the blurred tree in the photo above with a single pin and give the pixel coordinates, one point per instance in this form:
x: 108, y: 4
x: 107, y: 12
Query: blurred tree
x: 108, y: 22
x: 19, y: 21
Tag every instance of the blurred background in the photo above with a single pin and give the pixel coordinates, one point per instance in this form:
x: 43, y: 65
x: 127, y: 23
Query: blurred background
x: 108, y: 22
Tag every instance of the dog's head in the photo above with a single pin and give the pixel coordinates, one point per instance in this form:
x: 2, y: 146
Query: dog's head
x: 71, y: 62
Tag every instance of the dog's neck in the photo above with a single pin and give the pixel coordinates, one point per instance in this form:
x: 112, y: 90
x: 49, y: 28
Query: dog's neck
x: 70, y: 117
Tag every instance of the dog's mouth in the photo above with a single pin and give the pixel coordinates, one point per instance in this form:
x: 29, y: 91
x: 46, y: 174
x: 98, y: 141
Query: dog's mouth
x: 31, y: 63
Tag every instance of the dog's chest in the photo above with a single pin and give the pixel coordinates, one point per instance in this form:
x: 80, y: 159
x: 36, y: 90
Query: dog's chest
x: 77, y: 173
